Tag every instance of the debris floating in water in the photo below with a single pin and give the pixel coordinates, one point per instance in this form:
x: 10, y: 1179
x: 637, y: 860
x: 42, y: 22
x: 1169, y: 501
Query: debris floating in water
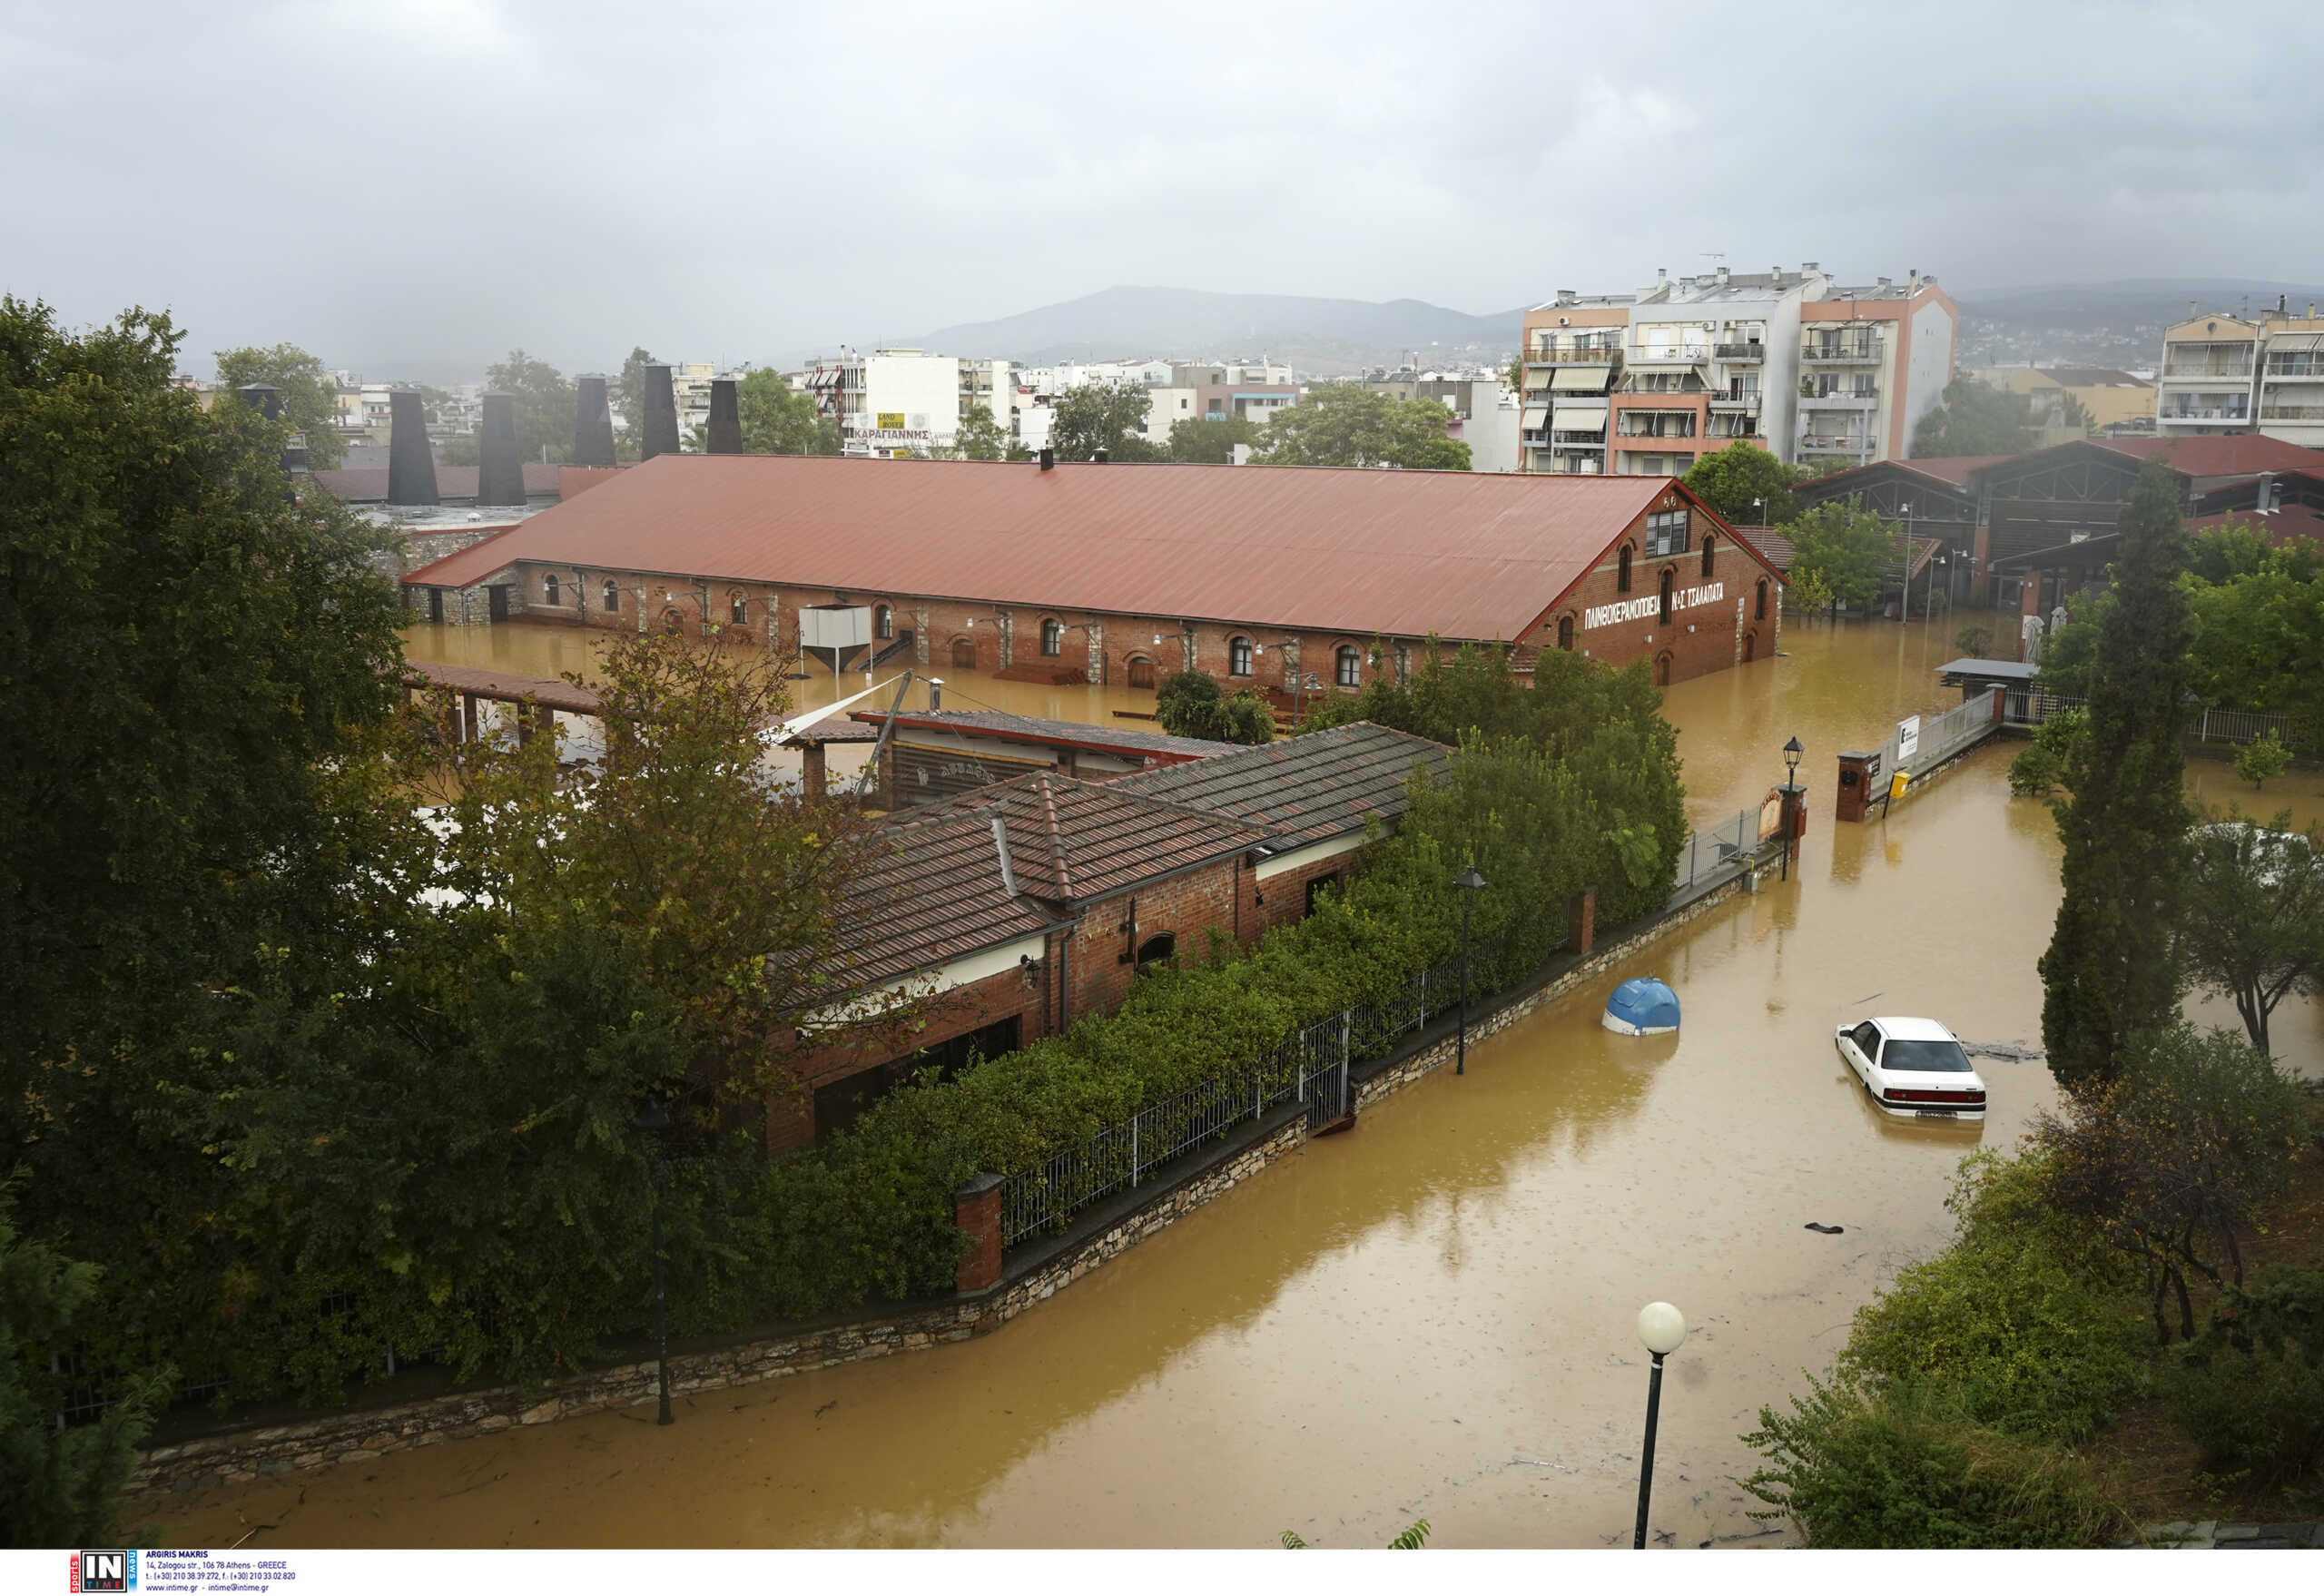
x: 1826, y: 1229
x: 1642, y: 1008
x: 2015, y: 1052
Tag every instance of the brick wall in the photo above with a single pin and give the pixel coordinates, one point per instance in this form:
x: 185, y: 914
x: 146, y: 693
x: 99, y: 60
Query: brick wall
x: 1187, y: 906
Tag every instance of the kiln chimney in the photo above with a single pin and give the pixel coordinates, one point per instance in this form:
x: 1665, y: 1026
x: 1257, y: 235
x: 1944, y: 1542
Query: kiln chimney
x: 661, y: 415
x: 500, y: 468
x: 412, y: 468
x: 593, y: 424
x: 723, y: 435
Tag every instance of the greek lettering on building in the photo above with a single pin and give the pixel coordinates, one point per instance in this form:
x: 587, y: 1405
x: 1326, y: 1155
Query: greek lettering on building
x: 1634, y: 609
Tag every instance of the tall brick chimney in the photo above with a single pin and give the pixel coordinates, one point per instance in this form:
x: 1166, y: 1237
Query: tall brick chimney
x: 412, y: 468
x: 593, y: 423
x: 661, y: 415
x: 500, y: 468
x: 723, y: 435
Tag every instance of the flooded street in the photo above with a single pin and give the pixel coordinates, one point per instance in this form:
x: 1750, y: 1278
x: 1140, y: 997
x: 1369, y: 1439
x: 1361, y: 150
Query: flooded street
x: 1431, y: 1317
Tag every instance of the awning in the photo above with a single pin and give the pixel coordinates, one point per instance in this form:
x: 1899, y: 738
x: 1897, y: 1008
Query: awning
x: 1581, y: 418
x: 1581, y: 378
x: 1536, y: 414
x: 2286, y: 343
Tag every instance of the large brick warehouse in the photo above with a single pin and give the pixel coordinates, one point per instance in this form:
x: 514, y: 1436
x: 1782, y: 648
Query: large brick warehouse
x: 1119, y: 573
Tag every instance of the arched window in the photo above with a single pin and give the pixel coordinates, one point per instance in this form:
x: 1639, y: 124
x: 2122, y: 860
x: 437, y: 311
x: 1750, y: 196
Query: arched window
x: 1662, y: 670
x: 1347, y: 666
x: 1667, y: 585
x: 1710, y: 543
x: 549, y: 588
x: 1759, y: 609
x: 1141, y: 671
x: 1750, y: 646
x: 883, y: 623
x: 613, y: 598
x: 1238, y: 657
x: 1052, y: 638
x: 738, y: 609
x: 673, y: 622
x: 1565, y: 633
x: 1622, y: 571
x: 1158, y: 949
x: 964, y: 654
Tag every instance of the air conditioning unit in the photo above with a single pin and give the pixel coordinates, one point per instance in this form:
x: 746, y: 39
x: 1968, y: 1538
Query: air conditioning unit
x: 1565, y: 321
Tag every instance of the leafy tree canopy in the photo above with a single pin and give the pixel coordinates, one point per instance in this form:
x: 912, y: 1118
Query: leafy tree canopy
x: 627, y: 393
x: 543, y: 406
x: 777, y: 420
x: 1109, y: 415
x: 2252, y: 926
x: 1210, y: 440
x: 1191, y: 703
x: 1746, y: 485
x: 309, y: 394
x: 1346, y: 424
x: 981, y: 436
x: 1845, y: 548
x: 1975, y: 417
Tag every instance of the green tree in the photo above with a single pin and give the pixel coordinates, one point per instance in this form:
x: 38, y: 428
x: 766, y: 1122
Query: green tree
x: 1975, y: 417
x: 2107, y: 973
x: 1846, y: 549
x: 980, y: 437
x: 777, y: 420
x: 1347, y: 424
x: 1210, y: 440
x: 2252, y: 925
x: 543, y: 406
x: 1745, y: 485
x: 309, y: 394
x: 1191, y: 703
x: 1109, y: 415
x: 58, y: 1487
x: 628, y: 398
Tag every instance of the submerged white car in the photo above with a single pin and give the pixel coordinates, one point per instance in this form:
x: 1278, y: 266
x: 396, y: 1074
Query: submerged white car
x: 1913, y: 1068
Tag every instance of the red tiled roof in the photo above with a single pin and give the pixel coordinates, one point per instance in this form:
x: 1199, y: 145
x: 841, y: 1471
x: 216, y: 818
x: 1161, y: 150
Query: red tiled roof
x: 2234, y: 455
x: 1315, y: 787
x: 1953, y: 469
x: 932, y: 892
x: 1773, y: 545
x: 2281, y: 525
x: 1401, y: 553
x: 1024, y: 728
x: 369, y: 483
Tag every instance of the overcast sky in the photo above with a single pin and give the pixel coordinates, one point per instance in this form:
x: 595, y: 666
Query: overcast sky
x: 413, y: 186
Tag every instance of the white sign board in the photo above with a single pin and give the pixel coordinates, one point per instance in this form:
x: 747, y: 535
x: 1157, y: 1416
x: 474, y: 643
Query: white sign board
x: 1909, y: 738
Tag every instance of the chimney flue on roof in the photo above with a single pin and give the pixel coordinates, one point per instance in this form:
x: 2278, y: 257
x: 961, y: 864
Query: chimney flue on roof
x: 500, y: 468
x: 1661, y: 276
x: 1722, y: 274
x: 1048, y: 459
x: 412, y: 468
x: 264, y: 397
x: 661, y: 415
x: 593, y: 423
x: 1099, y: 456
x: 1808, y: 267
x: 723, y: 435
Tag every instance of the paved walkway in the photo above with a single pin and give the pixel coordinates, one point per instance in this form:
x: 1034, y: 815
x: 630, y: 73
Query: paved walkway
x: 2210, y: 1534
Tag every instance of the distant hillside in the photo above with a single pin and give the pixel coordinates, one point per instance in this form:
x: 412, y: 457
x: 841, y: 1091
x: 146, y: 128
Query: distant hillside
x: 1314, y: 334
x: 2148, y: 302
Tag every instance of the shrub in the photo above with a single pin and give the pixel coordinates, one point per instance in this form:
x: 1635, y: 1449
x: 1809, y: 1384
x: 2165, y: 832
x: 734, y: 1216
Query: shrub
x: 2030, y: 1326
x: 2251, y: 1394
x: 1906, y: 1469
x: 2261, y: 759
x: 2040, y: 768
x: 1974, y: 641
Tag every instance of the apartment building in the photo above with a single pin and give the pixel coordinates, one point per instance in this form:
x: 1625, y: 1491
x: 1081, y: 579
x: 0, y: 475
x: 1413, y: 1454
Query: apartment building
x: 1645, y: 384
x: 2262, y: 373
x: 899, y: 402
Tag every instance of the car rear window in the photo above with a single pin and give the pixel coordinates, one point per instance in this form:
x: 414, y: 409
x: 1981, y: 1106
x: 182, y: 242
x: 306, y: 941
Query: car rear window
x: 1936, y: 1058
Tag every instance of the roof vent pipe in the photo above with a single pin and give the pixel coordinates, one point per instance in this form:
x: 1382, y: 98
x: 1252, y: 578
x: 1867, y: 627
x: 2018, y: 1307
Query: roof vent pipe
x: 661, y: 415
x: 412, y: 468
x: 1099, y: 456
x: 593, y: 423
x: 1048, y: 459
x: 500, y: 468
x: 723, y: 434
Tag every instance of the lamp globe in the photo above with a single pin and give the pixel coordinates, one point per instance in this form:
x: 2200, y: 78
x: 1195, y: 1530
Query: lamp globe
x: 1662, y: 1327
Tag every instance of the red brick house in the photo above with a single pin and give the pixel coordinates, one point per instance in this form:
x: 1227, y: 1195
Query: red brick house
x: 1016, y: 908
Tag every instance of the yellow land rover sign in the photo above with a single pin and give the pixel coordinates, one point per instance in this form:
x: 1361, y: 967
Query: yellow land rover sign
x: 892, y: 420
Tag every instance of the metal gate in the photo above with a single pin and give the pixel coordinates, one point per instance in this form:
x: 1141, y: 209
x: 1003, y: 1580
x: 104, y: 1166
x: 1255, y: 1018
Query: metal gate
x: 1323, y: 1072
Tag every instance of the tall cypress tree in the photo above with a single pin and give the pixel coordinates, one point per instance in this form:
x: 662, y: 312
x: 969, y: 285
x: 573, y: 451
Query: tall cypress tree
x: 2109, y: 970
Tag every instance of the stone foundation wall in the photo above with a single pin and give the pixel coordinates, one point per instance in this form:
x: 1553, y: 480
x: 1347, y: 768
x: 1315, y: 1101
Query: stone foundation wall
x: 249, y: 1453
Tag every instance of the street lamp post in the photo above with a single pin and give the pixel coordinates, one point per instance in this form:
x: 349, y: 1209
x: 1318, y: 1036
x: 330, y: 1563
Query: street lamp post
x: 1904, y: 604
x: 1662, y: 1327
x: 1471, y: 883
x: 1791, y: 752
x: 653, y: 1120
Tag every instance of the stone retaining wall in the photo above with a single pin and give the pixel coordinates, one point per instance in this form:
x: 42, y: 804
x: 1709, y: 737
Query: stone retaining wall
x: 257, y: 1452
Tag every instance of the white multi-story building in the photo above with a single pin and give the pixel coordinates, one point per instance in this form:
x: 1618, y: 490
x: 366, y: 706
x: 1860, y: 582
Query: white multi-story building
x: 903, y: 402
x: 1792, y: 361
x: 2262, y: 373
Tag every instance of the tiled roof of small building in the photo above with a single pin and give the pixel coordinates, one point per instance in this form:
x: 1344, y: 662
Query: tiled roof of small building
x: 1312, y: 787
x: 1025, y: 728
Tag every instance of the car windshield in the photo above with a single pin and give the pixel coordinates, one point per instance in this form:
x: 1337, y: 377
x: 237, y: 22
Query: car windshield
x: 1936, y: 1058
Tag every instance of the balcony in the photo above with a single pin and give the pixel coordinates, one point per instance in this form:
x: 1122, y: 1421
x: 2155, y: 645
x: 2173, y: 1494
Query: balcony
x: 1684, y: 354
x: 2206, y: 371
x: 2291, y: 412
x: 1573, y: 355
x: 1862, y: 353
x: 2237, y: 412
x: 1835, y: 443
x: 1739, y: 352
x: 1573, y: 441
x: 1839, y: 401
x: 1732, y: 427
x: 1735, y: 401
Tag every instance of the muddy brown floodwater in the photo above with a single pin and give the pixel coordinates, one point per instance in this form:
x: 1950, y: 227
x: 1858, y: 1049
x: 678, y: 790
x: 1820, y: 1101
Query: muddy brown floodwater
x: 1431, y: 1317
